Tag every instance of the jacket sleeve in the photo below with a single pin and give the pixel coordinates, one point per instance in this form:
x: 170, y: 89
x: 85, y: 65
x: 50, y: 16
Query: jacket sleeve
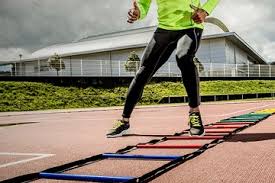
x: 143, y: 6
x: 210, y: 5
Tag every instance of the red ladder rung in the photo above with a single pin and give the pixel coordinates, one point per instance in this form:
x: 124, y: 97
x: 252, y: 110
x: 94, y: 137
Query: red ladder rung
x: 192, y: 146
x: 194, y: 138
x: 218, y: 131
x: 215, y: 134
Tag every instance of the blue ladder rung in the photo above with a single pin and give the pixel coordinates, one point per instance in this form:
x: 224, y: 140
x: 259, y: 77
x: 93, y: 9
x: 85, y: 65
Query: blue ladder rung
x: 148, y: 157
x: 59, y: 176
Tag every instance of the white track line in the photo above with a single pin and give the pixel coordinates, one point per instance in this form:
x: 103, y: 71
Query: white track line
x: 40, y: 156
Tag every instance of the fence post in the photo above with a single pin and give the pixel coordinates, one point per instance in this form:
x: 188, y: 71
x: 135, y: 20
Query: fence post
x: 81, y: 67
x: 259, y: 70
x: 15, y: 70
x: 101, y: 67
x: 169, y: 69
x: 119, y: 68
x: 60, y: 67
x: 38, y: 65
x: 211, y: 69
x: 248, y: 70
x: 236, y: 70
x: 21, y: 68
x: 269, y: 70
x: 11, y: 70
x: 223, y: 70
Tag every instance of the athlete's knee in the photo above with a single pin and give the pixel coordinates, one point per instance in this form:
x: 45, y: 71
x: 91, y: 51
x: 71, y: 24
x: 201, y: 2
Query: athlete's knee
x: 183, y: 46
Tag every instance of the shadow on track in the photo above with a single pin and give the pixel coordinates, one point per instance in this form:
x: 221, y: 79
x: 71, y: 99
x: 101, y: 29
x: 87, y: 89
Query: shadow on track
x: 251, y: 137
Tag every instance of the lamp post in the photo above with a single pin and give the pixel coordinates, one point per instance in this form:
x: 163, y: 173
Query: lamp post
x: 21, y: 69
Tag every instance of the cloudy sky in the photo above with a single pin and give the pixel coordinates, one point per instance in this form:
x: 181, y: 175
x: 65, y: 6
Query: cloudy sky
x: 29, y: 25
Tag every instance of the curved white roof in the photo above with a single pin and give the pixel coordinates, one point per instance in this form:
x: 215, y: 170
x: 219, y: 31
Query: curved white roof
x: 100, y: 43
x: 105, y: 42
x: 123, y: 40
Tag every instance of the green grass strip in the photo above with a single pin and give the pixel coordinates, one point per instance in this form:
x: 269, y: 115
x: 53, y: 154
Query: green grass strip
x: 31, y: 96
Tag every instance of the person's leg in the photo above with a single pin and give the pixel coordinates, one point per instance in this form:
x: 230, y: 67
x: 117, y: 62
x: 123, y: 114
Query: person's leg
x: 186, y: 49
x: 155, y: 55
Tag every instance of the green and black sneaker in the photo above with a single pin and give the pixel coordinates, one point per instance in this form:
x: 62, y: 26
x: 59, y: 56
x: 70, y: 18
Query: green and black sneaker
x: 195, y: 123
x: 120, y: 128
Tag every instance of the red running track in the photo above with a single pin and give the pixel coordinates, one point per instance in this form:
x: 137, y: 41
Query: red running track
x: 61, y: 137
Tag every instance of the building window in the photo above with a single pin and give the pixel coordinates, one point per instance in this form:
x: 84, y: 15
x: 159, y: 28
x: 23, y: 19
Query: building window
x: 44, y: 66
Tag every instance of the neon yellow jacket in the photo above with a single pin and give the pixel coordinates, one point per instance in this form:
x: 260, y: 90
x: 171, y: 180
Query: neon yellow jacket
x: 176, y: 14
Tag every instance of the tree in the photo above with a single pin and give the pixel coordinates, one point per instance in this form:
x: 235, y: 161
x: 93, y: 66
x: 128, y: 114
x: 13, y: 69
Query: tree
x: 133, y: 62
x: 55, y: 62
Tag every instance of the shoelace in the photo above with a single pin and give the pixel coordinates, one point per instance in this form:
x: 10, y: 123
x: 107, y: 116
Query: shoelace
x: 195, y: 120
x: 117, y: 124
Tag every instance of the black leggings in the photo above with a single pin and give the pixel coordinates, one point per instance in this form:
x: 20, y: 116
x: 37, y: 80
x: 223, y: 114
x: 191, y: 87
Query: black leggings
x: 158, y: 51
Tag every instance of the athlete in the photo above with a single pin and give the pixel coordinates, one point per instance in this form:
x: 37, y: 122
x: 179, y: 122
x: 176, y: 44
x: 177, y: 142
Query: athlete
x: 180, y: 27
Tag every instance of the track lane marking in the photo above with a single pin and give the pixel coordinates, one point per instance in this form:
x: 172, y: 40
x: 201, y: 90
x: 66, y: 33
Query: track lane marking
x: 39, y: 156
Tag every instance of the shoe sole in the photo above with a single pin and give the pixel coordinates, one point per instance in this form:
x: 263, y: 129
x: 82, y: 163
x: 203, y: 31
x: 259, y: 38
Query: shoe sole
x: 192, y: 135
x: 119, y: 135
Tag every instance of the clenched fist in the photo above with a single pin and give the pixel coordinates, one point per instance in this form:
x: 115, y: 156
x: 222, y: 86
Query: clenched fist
x: 199, y: 16
x: 133, y: 13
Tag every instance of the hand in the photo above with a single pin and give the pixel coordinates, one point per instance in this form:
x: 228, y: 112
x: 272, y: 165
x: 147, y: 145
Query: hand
x: 199, y: 16
x: 134, y: 13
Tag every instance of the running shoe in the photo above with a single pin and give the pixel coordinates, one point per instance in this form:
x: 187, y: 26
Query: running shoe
x: 120, y: 128
x: 195, y: 123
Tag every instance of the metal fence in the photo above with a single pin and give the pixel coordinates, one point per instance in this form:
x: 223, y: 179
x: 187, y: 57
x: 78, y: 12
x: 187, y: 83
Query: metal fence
x: 106, y: 68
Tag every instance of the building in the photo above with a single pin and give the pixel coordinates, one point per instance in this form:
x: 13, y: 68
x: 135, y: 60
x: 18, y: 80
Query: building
x: 224, y: 54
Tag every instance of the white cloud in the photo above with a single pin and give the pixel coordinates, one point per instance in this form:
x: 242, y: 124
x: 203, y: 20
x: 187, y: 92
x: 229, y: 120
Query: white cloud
x: 13, y: 53
x: 33, y: 24
x: 269, y: 51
